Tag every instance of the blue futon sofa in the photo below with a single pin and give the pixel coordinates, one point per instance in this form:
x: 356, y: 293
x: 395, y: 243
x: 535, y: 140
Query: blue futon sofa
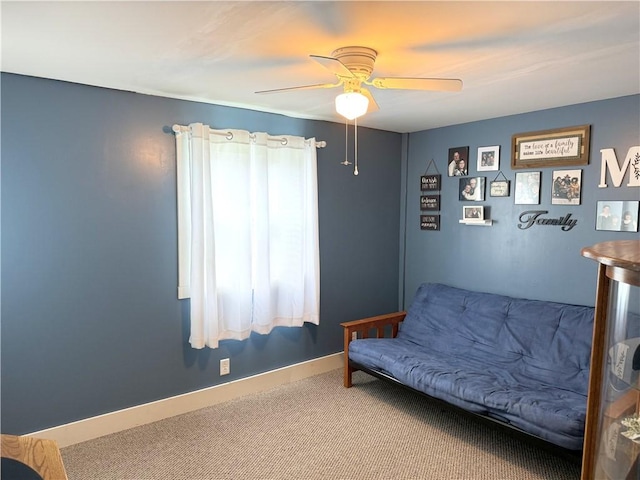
x: 519, y: 362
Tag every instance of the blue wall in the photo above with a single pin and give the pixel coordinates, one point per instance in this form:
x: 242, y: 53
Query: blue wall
x: 542, y: 262
x: 90, y: 317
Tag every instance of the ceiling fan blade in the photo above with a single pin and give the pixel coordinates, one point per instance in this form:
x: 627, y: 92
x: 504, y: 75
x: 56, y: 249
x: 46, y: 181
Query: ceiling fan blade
x: 334, y: 65
x: 445, y: 84
x: 373, y: 105
x: 302, y: 87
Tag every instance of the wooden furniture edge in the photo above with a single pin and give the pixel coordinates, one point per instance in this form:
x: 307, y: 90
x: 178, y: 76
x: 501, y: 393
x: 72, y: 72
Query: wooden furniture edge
x: 362, y: 328
x: 40, y: 454
x: 618, y: 261
x: 596, y: 368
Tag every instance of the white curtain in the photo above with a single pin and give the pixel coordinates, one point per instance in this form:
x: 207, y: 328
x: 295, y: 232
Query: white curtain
x: 248, y: 232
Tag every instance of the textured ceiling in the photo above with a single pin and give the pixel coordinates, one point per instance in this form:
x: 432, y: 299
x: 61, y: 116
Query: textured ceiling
x: 513, y: 57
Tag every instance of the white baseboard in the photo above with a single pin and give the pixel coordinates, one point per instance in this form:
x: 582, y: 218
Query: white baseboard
x: 94, y: 427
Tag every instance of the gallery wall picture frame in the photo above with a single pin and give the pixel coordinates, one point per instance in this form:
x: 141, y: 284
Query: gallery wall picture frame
x: 527, y: 189
x: 559, y: 147
x: 458, y: 162
x: 488, y: 158
x: 566, y: 187
x: 617, y: 216
x: 473, y: 212
x: 471, y: 189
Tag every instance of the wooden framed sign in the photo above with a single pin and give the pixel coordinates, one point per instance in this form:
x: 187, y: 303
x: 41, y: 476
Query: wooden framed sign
x: 551, y: 148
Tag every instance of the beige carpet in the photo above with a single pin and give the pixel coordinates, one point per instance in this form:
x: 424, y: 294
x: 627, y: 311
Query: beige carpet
x: 316, y: 429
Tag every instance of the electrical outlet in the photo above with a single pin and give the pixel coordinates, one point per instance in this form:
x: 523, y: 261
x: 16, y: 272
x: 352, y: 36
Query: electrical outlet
x: 354, y: 335
x: 224, y: 366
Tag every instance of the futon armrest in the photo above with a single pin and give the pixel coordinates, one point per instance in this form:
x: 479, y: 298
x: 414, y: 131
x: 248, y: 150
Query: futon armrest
x: 380, y: 325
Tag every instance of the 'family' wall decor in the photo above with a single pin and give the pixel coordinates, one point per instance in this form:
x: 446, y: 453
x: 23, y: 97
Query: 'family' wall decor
x: 535, y: 217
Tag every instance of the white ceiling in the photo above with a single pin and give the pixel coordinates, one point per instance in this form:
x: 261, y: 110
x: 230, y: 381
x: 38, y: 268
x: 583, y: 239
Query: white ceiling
x: 513, y: 57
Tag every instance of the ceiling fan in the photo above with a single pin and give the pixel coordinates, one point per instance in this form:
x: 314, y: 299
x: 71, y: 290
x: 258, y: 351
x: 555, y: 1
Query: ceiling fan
x: 353, y: 67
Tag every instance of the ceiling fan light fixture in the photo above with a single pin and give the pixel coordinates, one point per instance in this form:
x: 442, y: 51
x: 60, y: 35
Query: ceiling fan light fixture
x: 351, y: 105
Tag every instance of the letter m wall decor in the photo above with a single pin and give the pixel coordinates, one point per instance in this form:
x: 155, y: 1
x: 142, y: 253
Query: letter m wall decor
x: 616, y: 172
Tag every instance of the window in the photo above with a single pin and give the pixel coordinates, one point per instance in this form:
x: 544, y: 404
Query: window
x: 248, y: 232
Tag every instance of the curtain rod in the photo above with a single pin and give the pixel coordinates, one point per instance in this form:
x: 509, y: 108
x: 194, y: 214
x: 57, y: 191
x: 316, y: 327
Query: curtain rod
x: 229, y: 135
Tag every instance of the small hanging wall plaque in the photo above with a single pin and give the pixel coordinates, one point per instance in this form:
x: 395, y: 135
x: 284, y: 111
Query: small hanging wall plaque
x: 430, y: 182
x: 499, y: 188
x: 429, y: 222
x: 430, y: 202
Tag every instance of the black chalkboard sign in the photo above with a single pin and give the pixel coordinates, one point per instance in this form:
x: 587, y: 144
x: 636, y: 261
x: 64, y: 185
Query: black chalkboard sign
x: 429, y: 222
x: 430, y: 202
x: 430, y: 182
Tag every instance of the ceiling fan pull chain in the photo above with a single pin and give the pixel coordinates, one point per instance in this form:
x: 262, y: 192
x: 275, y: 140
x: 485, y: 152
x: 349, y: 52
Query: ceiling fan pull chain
x: 355, y: 142
x: 346, y: 144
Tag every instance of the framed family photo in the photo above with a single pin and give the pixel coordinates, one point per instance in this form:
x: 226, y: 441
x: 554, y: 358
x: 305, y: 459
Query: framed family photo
x: 566, y: 187
x: 617, y: 216
x: 458, y: 163
x: 473, y: 212
x: 472, y: 189
x: 488, y: 158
